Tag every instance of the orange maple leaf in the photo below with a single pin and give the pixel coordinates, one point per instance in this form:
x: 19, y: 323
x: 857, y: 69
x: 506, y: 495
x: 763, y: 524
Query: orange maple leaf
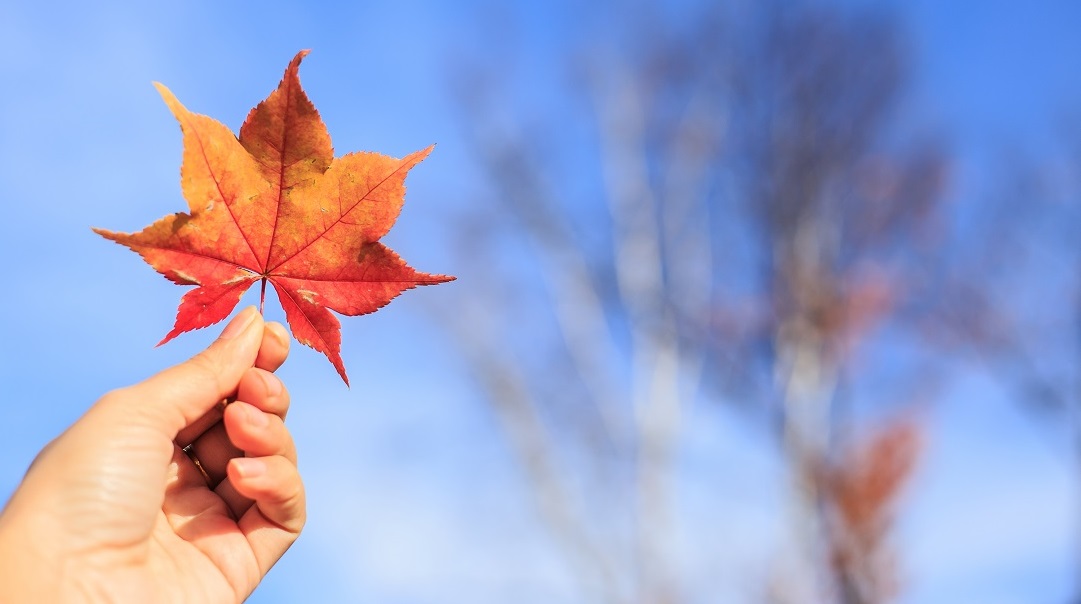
x: 276, y: 205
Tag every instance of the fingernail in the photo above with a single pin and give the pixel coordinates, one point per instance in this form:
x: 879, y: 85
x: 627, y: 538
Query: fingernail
x: 273, y: 384
x: 280, y: 335
x: 256, y: 417
x: 249, y: 467
x: 239, y: 322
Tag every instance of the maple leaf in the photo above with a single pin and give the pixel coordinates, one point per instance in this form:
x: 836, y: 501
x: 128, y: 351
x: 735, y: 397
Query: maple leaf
x: 276, y: 205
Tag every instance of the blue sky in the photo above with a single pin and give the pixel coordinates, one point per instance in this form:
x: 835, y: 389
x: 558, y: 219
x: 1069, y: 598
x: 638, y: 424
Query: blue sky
x: 413, y: 495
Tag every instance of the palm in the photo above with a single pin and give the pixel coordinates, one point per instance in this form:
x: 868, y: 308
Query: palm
x: 200, y: 548
x: 196, y: 537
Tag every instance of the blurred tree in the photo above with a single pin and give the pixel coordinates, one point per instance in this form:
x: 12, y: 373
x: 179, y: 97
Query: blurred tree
x: 714, y: 206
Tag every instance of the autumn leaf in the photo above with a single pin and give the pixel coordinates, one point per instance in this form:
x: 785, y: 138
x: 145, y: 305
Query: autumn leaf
x: 276, y: 205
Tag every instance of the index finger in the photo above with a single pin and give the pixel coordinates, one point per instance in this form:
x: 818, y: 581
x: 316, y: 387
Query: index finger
x: 180, y: 395
x: 274, y: 347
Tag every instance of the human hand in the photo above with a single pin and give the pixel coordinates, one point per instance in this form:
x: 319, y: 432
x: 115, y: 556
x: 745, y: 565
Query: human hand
x: 114, y: 510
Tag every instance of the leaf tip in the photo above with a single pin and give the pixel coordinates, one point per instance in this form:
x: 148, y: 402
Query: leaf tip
x: 339, y: 365
x: 111, y: 235
x: 294, y: 65
x: 430, y: 279
x: 170, y: 99
x: 169, y: 336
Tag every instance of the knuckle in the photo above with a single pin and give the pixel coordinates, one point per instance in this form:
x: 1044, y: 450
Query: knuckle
x: 115, y: 397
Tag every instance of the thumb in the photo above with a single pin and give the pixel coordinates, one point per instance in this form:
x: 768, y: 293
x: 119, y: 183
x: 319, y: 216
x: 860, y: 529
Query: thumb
x: 181, y: 394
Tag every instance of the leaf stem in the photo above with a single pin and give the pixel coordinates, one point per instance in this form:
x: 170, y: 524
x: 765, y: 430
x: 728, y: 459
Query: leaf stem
x: 262, y: 295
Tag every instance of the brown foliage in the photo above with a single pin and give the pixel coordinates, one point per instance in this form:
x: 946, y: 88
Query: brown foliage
x: 860, y: 493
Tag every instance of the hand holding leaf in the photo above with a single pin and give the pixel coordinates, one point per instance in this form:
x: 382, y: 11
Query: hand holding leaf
x: 276, y: 205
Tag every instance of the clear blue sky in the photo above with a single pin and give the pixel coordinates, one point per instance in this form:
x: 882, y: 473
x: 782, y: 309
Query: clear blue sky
x: 412, y: 494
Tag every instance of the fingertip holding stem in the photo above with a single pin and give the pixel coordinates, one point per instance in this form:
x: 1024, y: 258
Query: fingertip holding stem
x: 279, y: 333
x: 239, y: 323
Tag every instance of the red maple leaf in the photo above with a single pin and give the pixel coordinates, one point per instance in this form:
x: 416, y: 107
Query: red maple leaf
x: 276, y: 205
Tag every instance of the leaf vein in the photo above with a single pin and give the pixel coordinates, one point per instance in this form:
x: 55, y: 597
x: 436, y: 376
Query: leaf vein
x: 217, y: 185
x: 340, y: 218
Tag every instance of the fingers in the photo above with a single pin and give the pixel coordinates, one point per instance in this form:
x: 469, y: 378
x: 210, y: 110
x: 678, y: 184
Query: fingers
x: 268, y: 475
x: 252, y: 454
x: 275, y: 521
x: 252, y: 426
x: 213, y: 450
x: 200, y: 426
x: 274, y: 348
x: 257, y: 433
x: 178, y: 396
x: 265, y: 391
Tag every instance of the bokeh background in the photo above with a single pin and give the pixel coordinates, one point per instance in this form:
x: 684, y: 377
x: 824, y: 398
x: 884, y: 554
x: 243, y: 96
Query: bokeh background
x: 756, y: 301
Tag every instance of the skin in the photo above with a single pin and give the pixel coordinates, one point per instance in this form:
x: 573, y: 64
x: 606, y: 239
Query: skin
x: 114, y: 511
